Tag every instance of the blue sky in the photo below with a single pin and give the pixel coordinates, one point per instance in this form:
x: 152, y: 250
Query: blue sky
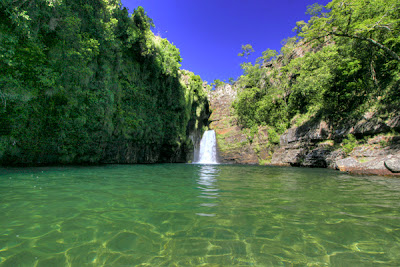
x: 210, y: 33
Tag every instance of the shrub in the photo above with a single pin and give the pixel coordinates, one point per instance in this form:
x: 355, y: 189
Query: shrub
x: 349, y: 143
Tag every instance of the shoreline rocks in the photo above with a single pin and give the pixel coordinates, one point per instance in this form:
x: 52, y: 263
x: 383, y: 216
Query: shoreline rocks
x: 393, y: 164
x: 309, y: 147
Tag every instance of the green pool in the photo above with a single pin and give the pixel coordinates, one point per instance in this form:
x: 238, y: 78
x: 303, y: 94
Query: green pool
x: 197, y: 215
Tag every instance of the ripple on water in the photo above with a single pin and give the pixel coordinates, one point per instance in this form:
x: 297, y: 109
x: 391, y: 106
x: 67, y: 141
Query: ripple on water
x: 131, y: 242
x: 216, y: 233
x: 86, y: 254
x: 234, y: 248
x: 51, y: 243
x: 146, y: 216
x: 55, y: 260
x: 22, y: 258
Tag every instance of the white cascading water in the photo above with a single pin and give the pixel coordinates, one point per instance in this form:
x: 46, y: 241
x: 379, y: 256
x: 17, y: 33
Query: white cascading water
x: 208, y: 148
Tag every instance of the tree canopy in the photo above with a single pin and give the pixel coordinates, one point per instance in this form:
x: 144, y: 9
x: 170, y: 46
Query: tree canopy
x: 246, y: 51
x: 88, y: 82
x: 342, y: 63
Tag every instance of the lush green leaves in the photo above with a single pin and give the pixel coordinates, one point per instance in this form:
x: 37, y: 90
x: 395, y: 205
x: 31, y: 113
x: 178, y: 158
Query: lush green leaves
x: 376, y: 22
x: 267, y: 55
x: 246, y: 51
x: 343, y: 62
x: 88, y: 82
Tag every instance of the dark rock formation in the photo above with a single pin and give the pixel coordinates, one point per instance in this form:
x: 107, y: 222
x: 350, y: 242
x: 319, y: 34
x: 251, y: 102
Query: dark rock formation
x: 303, y: 146
x: 309, y: 132
x: 316, y: 158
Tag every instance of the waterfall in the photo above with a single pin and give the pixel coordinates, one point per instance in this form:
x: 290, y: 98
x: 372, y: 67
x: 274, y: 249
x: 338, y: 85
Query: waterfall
x: 208, y: 148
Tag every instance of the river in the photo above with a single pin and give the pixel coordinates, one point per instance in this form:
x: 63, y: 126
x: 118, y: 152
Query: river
x: 190, y: 215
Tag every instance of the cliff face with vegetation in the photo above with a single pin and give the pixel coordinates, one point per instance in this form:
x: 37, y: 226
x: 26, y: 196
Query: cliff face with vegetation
x: 330, y: 98
x: 368, y: 146
x: 234, y: 142
x: 87, y: 82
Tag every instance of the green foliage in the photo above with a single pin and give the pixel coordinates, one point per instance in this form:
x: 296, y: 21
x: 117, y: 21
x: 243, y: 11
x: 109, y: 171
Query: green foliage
x: 246, y: 51
x: 343, y: 62
x: 374, y: 22
x: 246, y: 105
x: 267, y: 55
x: 89, y: 82
x: 273, y: 136
x: 349, y: 143
x: 217, y: 83
x: 316, y: 10
x: 315, y: 75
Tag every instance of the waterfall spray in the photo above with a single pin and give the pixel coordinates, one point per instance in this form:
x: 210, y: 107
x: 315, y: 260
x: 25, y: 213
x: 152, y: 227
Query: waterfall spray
x: 208, y: 148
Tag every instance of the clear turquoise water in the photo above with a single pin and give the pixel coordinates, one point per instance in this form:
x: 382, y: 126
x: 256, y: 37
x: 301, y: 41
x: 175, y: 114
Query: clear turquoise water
x: 190, y: 215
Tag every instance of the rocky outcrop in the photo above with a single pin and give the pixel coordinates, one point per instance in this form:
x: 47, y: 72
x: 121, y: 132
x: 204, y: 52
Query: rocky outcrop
x: 380, y: 155
x: 309, y: 132
x: 305, y: 146
x: 371, y: 165
x: 314, y: 145
x: 235, y: 145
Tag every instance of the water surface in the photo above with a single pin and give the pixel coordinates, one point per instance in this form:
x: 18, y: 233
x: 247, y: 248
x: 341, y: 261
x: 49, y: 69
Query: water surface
x: 190, y: 215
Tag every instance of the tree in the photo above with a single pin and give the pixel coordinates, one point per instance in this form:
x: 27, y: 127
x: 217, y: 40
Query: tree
x: 217, y: 83
x: 267, y: 55
x: 246, y: 51
x: 376, y: 22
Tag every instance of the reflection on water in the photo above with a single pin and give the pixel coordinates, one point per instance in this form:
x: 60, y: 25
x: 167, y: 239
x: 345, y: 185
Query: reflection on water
x: 207, y: 184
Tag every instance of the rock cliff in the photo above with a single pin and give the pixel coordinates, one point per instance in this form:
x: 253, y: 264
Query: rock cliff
x: 313, y: 144
x: 236, y: 145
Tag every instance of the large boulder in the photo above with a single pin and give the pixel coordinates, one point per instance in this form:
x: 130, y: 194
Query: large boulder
x: 393, y: 164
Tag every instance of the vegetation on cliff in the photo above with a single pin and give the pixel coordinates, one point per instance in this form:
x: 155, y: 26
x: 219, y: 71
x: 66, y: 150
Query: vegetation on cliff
x: 342, y: 63
x: 87, y: 82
